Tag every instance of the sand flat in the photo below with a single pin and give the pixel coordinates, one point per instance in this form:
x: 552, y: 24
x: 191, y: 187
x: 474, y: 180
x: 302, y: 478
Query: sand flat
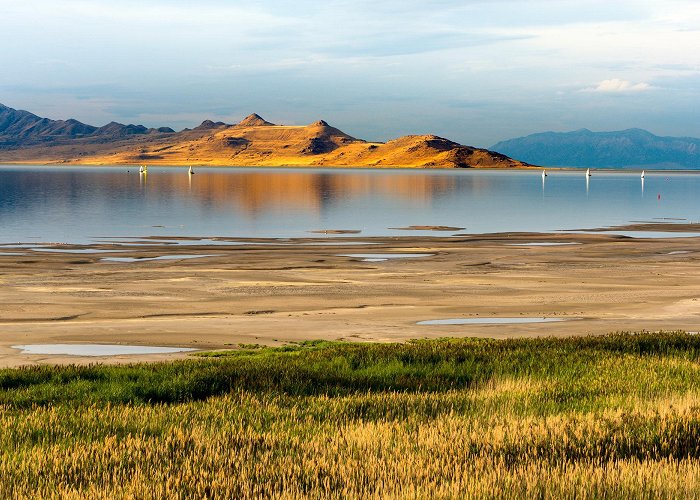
x: 276, y: 294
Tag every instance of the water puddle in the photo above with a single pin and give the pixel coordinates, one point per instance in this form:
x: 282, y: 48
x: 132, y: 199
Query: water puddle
x: 160, y: 257
x: 488, y: 321
x: 542, y: 244
x: 215, y: 242
x: 428, y: 228
x: 138, y: 242
x: 381, y: 257
x: 679, y: 252
x: 646, y: 234
x: 336, y: 231
x: 96, y: 349
x: 76, y: 250
x: 334, y: 243
x: 32, y: 246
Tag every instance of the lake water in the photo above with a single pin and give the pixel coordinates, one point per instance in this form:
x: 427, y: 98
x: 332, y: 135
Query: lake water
x: 488, y: 321
x: 129, y: 260
x: 88, y: 204
x: 381, y: 257
x: 97, y: 349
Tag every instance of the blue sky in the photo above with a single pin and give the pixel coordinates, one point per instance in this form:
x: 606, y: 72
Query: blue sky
x: 474, y: 71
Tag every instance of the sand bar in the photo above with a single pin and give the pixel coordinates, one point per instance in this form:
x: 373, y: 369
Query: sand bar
x: 271, y: 292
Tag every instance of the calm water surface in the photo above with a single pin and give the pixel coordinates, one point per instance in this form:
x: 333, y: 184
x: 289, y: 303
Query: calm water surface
x: 86, y: 204
x: 97, y: 349
x: 488, y: 321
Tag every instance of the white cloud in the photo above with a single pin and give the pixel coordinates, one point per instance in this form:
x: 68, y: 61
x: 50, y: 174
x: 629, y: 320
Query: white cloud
x: 617, y: 85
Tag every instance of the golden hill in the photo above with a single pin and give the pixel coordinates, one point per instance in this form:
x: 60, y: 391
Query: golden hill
x: 257, y: 142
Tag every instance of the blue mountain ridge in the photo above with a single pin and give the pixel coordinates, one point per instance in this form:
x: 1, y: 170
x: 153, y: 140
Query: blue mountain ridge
x: 618, y: 149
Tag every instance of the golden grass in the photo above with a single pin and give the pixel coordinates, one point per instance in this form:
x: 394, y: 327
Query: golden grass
x: 249, y: 446
x: 606, y: 424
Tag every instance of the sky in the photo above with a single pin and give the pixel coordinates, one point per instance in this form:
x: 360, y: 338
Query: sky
x: 473, y: 71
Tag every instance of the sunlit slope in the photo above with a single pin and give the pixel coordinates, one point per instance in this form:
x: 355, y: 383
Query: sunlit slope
x: 255, y: 141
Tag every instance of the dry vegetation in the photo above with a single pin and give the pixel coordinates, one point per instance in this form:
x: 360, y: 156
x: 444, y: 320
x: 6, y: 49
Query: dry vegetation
x: 615, y: 416
x: 255, y: 142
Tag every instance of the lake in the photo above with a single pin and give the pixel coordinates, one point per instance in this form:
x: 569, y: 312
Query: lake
x: 80, y: 205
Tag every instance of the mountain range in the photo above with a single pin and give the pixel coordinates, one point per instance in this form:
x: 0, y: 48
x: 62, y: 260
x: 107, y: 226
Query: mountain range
x: 583, y: 148
x: 28, y: 138
x: 22, y: 128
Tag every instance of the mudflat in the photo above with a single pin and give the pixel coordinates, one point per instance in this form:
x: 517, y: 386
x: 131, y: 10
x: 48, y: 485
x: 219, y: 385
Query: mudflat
x: 272, y: 292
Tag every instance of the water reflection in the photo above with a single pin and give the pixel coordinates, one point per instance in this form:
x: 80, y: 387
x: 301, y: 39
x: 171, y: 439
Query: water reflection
x: 79, y: 204
x: 488, y: 321
x: 96, y: 349
x: 260, y: 191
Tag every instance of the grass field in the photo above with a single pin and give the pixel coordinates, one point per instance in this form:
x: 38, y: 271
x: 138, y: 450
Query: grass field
x: 614, y: 416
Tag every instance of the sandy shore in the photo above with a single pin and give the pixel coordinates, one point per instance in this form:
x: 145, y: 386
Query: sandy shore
x: 271, y: 292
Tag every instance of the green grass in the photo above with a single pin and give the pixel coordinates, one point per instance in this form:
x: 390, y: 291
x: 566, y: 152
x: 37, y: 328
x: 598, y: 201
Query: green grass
x: 613, y: 416
x: 335, y: 368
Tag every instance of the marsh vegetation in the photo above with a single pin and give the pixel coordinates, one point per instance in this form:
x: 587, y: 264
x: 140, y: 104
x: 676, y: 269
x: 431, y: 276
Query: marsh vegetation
x: 616, y: 416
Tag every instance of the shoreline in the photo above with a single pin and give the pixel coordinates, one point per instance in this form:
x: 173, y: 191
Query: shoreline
x: 604, y: 170
x: 271, y: 292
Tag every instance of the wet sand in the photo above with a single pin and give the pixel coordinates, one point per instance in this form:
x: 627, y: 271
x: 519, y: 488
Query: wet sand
x: 272, y: 292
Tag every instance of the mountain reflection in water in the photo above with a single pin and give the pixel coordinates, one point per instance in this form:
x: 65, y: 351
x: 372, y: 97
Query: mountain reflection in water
x: 79, y: 204
x: 260, y: 191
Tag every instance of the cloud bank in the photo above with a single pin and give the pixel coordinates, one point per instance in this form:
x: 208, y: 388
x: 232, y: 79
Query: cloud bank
x: 615, y: 85
x: 476, y: 71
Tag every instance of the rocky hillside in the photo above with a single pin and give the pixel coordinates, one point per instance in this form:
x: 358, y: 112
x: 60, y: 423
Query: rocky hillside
x: 27, y: 138
x: 21, y: 129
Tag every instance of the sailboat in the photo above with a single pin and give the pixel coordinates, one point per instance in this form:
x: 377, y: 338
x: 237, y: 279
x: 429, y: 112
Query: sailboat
x: 588, y: 172
x: 642, y: 174
x: 544, y: 174
x: 190, y: 171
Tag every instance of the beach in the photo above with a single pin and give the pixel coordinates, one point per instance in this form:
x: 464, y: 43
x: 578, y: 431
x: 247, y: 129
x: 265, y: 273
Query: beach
x: 273, y: 292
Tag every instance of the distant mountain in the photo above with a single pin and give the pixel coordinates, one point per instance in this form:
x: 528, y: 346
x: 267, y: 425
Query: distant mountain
x: 27, y: 138
x: 583, y: 148
x: 22, y: 128
x: 208, y: 125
